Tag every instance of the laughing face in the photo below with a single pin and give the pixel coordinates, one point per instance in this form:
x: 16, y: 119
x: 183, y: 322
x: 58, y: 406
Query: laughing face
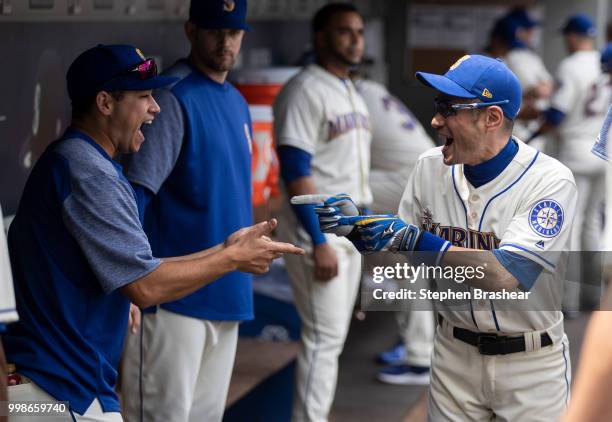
x: 130, y: 112
x: 460, y: 133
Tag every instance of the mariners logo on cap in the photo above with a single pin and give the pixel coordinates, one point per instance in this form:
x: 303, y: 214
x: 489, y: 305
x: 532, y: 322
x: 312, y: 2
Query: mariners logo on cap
x: 458, y: 62
x: 546, y: 218
x: 142, y: 56
x: 228, y: 5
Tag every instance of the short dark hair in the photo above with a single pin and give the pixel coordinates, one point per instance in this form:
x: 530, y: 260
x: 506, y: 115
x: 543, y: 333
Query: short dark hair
x: 325, y: 14
x: 83, y: 106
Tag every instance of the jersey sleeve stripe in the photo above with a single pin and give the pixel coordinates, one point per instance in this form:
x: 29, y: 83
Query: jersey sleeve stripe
x: 540, y: 260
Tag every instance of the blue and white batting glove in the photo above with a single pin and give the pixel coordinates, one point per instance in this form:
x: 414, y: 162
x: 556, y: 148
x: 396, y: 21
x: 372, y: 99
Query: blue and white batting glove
x: 375, y: 233
x: 329, y: 210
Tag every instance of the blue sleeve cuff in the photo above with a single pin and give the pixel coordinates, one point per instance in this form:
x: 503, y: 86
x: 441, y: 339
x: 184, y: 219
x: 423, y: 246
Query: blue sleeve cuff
x: 2, y: 328
x: 523, y: 269
x: 294, y: 163
x: 554, y: 116
x: 434, y: 245
x: 310, y: 222
x: 143, y: 197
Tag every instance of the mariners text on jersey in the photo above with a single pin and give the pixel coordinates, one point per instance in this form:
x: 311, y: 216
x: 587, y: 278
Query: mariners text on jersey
x: 459, y: 236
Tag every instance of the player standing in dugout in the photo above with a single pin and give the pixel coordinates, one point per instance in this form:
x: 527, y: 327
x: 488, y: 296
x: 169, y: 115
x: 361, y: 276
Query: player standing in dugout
x: 494, y: 192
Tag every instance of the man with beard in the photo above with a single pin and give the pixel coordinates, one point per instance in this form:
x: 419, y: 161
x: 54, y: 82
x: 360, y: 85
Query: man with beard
x: 193, y: 178
x: 323, y: 132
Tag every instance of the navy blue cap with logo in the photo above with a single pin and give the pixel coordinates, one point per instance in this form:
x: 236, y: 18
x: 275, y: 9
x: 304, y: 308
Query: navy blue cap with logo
x: 112, y: 68
x: 581, y: 24
x: 219, y: 14
x: 484, y: 78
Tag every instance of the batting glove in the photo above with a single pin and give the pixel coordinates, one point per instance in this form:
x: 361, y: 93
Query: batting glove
x: 330, y: 209
x: 375, y: 233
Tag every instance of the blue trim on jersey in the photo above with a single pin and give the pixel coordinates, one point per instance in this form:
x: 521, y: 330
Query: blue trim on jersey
x: 567, y: 388
x: 467, y: 226
x: 460, y: 200
x: 483, y: 173
x: 494, y: 315
x: 7, y: 310
x: 554, y: 116
x: 484, y: 211
x: 528, y: 251
x: 294, y: 163
x: 525, y: 270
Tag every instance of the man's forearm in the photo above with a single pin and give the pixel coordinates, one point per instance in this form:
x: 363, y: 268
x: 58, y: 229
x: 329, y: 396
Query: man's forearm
x: 196, y: 255
x: 174, y: 279
x: 496, y: 277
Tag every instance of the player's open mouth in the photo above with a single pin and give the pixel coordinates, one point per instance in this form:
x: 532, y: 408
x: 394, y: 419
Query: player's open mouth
x: 448, y: 141
x: 147, y: 122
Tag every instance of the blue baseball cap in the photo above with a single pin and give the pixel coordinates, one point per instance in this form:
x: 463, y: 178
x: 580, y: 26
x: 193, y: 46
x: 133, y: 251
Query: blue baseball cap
x: 579, y: 24
x: 606, y: 59
x: 479, y: 77
x: 522, y: 18
x: 112, y: 68
x: 219, y: 14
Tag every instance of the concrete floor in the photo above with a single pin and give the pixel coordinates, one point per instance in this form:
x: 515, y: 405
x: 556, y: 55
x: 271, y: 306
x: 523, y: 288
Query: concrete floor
x: 359, y: 397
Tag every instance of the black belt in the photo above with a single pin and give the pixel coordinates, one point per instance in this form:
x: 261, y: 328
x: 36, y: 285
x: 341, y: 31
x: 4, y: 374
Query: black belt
x: 493, y: 344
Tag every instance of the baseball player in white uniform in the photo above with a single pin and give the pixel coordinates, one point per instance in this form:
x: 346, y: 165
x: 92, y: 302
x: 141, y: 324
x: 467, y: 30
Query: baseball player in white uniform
x: 398, y: 139
x: 323, y: 132
x: 577, y: 111
x: 8, y: 310
x: 483, y: 190
x: 516, y: 31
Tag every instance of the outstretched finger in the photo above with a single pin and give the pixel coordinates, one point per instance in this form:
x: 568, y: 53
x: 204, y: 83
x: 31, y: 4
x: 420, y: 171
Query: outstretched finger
x: 282, y: 247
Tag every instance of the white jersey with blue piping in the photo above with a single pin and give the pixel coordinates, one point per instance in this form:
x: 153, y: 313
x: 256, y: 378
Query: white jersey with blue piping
x: 583, y: 95
x: 527, y: 209
x: 325, y: 116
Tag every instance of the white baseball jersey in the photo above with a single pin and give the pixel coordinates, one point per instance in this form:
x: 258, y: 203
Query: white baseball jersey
x: 527, y: 209
x: 398, y: 139
x: 583, y: 95
x: 528, y: 67
x: 8, y: 311
x: 325, y: 116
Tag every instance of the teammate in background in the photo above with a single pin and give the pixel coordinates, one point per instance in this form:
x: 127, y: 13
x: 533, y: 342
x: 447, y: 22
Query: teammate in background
x: 194, y: 179
x: 323, y: 134
x: 590, y: 396
x: 398, y: 139
x: 8, y: 313
x: 483, y: 184
x: 78, y: 251
x: 512, y: 39
x: 577, y: 110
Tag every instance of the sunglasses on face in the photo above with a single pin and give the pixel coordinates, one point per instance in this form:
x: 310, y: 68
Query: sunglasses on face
x: 447, y: 109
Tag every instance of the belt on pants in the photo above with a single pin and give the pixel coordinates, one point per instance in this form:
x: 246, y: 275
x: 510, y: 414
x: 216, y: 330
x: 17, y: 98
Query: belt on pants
x: 492, y: 344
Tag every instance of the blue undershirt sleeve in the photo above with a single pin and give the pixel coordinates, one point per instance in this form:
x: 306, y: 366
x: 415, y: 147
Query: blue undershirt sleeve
x: 2, y: 327
x: 143, y: 197
x: 523, y: 269
x: 554, y: 116
x: 295, y: 163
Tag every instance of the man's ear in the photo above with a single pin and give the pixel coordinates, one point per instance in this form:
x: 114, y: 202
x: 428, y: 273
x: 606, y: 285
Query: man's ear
x: 105, y: 103
x: 495, y: 118
x: 190, y: 31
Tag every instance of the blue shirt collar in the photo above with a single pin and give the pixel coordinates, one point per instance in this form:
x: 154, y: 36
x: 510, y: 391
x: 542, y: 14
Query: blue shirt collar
x: 484, y: 172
